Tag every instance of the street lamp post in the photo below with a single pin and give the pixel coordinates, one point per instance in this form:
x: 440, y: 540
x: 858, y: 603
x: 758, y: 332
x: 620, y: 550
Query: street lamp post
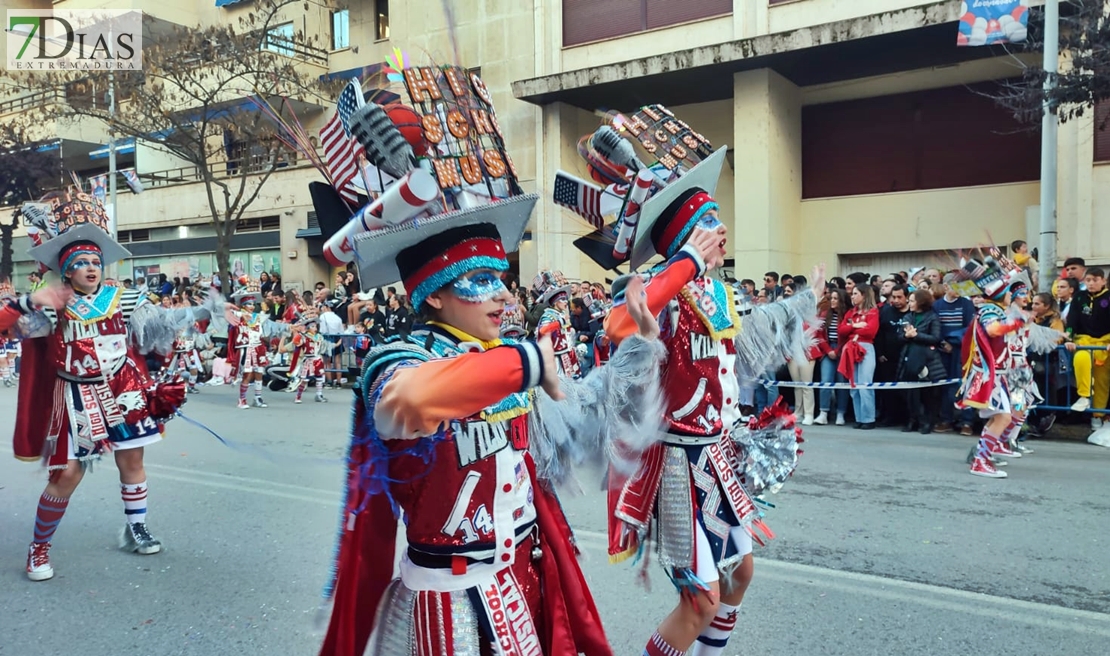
x: 112, y: 162
x: 1049, y: 124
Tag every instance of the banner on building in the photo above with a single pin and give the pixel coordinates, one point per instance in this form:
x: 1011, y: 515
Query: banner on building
x: 988, y: 22
x: 133, y: 180
x: 98, y: 186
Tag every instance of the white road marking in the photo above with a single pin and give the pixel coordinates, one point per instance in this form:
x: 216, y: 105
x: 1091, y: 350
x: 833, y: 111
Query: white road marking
x: 1004, y: 609
x: 934, y: 596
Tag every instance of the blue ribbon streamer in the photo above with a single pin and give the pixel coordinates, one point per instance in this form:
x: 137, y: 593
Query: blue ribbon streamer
x: 259, y: 451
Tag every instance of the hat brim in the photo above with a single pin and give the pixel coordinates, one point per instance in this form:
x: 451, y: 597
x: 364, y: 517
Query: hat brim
x: 376, y: 251
x: 47, y: 253
x: 598, y: 246
x: 555, y: 291
x: 241, y: 298
x: 703, y: 176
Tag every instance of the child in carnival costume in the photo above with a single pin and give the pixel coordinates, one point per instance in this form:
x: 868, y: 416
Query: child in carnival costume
x: 185, y: 359
x: 462, y: 435
x: 9, y: 345
x: 555, y: 321
x: 998, y: 378
x: 307, y: 361
x: 84, y: 372
x: 698, y: 484
x: 247, y: 334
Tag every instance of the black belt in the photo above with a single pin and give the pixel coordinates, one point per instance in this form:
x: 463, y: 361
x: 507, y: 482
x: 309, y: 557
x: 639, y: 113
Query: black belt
x: 431, y: 561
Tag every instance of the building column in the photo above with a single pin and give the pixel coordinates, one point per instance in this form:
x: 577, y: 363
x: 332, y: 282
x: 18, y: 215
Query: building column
x: 767, y: 163
x: 1075, y: 189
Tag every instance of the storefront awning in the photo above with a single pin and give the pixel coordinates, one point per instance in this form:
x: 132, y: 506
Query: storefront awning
x: 123, y: 147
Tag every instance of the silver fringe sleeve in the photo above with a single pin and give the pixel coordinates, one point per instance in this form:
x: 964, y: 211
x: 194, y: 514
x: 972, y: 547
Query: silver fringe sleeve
x: 1043, y: 339
x: 611, y: 415
x: 774, y: 332
x: 155, y: 328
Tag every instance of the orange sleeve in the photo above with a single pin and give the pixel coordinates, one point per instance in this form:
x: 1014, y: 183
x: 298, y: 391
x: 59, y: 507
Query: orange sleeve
x: 8, y: 317
x: 660, y: 290
x: 417, y: 400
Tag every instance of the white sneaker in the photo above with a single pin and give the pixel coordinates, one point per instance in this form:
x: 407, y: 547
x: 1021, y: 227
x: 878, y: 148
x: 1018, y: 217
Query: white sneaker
x: 1082, y: 405
x: 38, y: 562
x: 136, y: 538
x: 822, y: 418
x: 259, y: 403
x: 296, y: 400
x: 808, y: 421
x: 839, y: 420
x: 1096, y: 422
x: 243, y: 405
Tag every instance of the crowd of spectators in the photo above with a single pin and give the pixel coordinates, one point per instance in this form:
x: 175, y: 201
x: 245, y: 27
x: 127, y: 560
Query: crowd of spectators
x: 906, y: 326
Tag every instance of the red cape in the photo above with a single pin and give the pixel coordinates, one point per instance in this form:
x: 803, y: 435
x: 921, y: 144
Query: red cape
x: 571, y: 623
x: 36, y: 390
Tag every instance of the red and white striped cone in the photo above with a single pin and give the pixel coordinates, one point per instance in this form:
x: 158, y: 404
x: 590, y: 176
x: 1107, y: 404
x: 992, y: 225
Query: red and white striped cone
x: 399, y: 203
x: 626, y: 230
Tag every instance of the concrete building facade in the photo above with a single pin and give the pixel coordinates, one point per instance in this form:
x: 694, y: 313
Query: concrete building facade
x: 934, y: 166
x: 859, y: 133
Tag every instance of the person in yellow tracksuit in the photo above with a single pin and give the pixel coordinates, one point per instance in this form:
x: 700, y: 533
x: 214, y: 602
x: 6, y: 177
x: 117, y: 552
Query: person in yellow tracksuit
x: 1089, y: 325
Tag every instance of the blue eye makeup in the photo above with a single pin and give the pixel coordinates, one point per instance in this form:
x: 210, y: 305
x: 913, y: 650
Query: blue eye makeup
x: 478, y: 287
x: 84, y: 264
x: 709, y: 222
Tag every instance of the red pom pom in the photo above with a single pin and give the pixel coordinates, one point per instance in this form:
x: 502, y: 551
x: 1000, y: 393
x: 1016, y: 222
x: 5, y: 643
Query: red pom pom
x: 408, y: 122
x: 164, y: 400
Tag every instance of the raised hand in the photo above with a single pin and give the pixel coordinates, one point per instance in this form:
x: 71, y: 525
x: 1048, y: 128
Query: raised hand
x: 52, y: 296
x: 818, y: 276
x: 635, y: 299
x: 550, y: 382
x: 709, y: 244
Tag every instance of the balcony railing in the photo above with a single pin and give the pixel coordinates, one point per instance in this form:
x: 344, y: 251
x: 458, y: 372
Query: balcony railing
x: 283, y: 45
x: 31, y: 100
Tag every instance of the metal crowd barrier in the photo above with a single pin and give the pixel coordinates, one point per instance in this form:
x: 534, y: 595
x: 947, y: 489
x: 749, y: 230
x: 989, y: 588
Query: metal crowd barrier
x: 1058, y: 391
x: 348, y: 361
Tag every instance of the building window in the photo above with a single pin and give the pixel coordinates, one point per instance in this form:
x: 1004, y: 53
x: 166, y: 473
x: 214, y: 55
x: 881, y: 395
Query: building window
x: 263, y: 224
x: 280, y: 40
x: 381, y: 19
x: 934, y: 139
x: 133, y: 236
x: 340, y: 29
x: 1102, y: 131
x: 586, y: 21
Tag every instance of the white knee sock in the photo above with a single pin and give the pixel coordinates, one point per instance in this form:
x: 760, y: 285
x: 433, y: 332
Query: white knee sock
x: 714, y: 638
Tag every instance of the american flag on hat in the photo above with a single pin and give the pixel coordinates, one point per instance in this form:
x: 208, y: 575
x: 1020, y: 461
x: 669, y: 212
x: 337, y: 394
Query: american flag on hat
x: 580, y: 196
x: 341, y: 151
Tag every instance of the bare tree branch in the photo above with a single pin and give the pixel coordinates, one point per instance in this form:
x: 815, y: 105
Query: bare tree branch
x: 1084, y: 77
x: 192, y: 100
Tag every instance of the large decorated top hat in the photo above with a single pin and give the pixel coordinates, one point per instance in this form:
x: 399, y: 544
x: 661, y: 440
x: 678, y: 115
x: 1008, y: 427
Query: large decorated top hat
x: 308, y: 317
x: 991, y: 278
x: 550, y: 285
x: 66, y: 223
x: 248, y: 291
x: 450, y: 202
x: 660, y: 176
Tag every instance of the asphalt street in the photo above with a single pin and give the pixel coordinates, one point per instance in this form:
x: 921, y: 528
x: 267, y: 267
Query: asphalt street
x: 885, y: 546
